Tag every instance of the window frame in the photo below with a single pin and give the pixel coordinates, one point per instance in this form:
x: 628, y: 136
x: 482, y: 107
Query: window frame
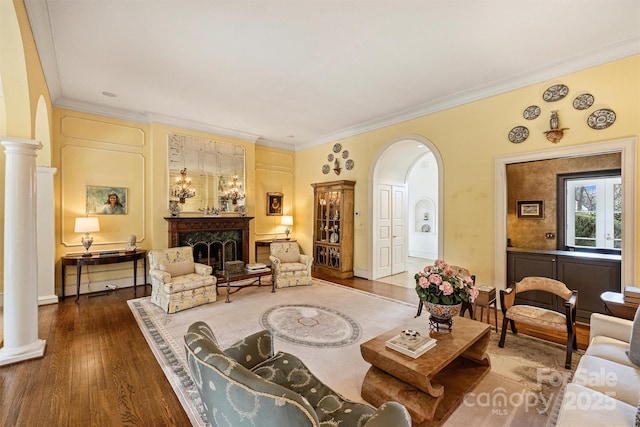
x: 561, y: 208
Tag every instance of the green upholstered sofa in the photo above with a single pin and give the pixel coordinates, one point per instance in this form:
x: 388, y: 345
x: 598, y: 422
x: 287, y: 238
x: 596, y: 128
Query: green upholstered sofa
x: 248, y: 385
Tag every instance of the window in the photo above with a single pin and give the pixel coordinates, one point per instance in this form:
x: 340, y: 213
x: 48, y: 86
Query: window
x: 592, y: 219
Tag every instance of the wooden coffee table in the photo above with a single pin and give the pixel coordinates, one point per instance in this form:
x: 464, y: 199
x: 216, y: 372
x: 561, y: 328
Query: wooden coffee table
x: 432, y: 386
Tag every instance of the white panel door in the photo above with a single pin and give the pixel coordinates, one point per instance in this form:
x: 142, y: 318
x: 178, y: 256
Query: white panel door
x: 399, y: 239
x: 384, y: 231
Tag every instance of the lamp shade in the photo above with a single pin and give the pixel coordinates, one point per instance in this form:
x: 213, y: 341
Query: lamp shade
x: 87, y: 225
x: 286, y: 220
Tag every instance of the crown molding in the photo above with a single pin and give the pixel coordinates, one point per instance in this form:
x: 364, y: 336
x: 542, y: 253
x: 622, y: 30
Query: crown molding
x: 555, y: 71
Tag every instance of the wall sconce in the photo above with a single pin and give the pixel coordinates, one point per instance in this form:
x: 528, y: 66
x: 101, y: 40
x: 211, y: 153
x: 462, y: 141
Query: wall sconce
x: 336, y: 167
x: 287, y: 220
x: 555, y: 134
x: 86, y: 226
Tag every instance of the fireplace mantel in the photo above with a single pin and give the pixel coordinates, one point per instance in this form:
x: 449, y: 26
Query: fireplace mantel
x: 186, y: 225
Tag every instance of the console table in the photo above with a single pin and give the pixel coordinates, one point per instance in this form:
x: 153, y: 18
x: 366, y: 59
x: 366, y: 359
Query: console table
x: 104, y: 258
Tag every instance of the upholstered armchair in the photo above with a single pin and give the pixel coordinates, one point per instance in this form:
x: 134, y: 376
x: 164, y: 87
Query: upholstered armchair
x: 249, y: 385
x: 177, y: 282
x: 539, y: 317
x: 289, y: 266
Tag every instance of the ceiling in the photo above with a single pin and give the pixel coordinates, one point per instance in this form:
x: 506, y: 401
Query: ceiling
x: 294, y: 74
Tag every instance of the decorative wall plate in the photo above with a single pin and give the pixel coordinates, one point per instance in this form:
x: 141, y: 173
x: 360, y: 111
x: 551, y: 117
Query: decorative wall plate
x: 531, y: 112
x: 601, y: 119
x: 518, y: 134
x: 345, y: 154
x: 584, y: 101
x: 555, y: 93
x: 325, y: 169
x: 337, y: 148
x: 330, y: 158
x: 348, y: 164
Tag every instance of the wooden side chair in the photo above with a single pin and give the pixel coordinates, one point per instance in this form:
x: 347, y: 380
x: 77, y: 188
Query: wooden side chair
x: 541, y: 317
x: 465, y: 305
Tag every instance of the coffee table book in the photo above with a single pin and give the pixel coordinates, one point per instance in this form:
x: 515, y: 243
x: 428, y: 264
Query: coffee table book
x: 412, y: 348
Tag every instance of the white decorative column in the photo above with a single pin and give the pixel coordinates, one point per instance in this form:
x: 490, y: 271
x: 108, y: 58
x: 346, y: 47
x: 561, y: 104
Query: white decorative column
x: 46, y: 237
x: 20, y: 253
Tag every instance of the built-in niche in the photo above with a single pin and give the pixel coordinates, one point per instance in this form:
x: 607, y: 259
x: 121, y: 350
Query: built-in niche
x: 216, y: 170
x: 424, y: 212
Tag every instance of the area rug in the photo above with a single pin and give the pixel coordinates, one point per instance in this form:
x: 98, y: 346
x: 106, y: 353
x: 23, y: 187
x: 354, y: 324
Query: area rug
x: 325, y: 323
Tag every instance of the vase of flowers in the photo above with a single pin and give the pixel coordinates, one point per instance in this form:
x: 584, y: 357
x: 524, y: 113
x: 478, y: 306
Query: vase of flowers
x: 443, y: 289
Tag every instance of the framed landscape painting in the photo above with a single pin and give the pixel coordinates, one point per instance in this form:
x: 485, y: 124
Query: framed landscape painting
x: 530, y: 209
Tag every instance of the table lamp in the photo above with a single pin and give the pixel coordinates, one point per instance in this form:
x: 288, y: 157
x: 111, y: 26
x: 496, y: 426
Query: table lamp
x: 86, y: 226
x: 287, y: 220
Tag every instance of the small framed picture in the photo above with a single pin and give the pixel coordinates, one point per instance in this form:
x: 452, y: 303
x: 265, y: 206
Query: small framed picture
x: 106, y: 200
x: 530, y: 209
x: 274, y: 204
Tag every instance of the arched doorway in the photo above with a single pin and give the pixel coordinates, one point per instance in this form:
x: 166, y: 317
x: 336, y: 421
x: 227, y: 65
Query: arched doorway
x: 393, y: 217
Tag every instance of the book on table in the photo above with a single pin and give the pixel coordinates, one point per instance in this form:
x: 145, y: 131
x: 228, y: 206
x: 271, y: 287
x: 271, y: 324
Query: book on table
x: 258, y: 266
x: 415, y: 347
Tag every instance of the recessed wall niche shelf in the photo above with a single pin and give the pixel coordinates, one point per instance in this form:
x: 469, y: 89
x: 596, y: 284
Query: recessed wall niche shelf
x: 424, y: 212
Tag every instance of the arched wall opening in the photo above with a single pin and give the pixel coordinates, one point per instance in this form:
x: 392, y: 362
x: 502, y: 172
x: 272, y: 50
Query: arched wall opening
x: 391, y: 224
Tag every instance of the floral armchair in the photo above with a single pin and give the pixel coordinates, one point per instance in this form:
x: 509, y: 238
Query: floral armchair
x: 177, y: 282
x: 248, y: 385
x: 289, y: 266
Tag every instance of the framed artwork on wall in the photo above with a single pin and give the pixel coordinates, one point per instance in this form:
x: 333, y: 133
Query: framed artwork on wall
x: 274, y: 204
x: 106, y: 200
x: 530, y: 209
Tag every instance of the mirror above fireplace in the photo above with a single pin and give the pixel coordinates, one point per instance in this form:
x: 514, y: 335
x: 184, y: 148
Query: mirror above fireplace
x: 216, y: 171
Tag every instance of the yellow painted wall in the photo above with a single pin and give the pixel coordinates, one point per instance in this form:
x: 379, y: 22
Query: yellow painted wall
x: 101, y: 151
x: 469, y: 138
x: 274, y: 174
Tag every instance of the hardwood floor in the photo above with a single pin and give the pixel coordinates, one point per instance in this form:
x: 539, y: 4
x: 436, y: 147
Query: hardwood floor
x: 99, y: 371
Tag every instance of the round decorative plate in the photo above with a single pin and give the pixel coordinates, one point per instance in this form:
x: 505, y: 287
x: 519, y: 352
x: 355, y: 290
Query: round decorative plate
x: 325, y: 169
x: 584, y: 101
x: 330, y: 158
x: 518, y: 134
x: 531, y: 112
x: 337, y: 147
x: 555, y: 93
x: 345, y: 154
x: 348, y: 164
x: 601, y: 119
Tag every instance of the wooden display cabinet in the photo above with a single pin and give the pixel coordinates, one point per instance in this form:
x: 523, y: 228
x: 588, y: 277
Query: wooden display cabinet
x: 333, y: 228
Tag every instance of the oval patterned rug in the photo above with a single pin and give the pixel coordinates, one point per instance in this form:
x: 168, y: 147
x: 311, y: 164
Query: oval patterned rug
x: 311, y: 325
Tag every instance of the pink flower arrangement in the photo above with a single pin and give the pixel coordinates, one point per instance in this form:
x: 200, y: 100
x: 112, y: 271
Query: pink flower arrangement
x: 441, y: 283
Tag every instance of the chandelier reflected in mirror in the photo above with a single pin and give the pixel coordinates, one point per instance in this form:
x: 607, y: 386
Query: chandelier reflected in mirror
x: 234, y: 192
x: 182, y: 189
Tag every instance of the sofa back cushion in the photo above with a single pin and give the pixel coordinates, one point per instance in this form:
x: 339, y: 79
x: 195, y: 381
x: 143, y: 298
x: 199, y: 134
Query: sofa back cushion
x: 233, y: 395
